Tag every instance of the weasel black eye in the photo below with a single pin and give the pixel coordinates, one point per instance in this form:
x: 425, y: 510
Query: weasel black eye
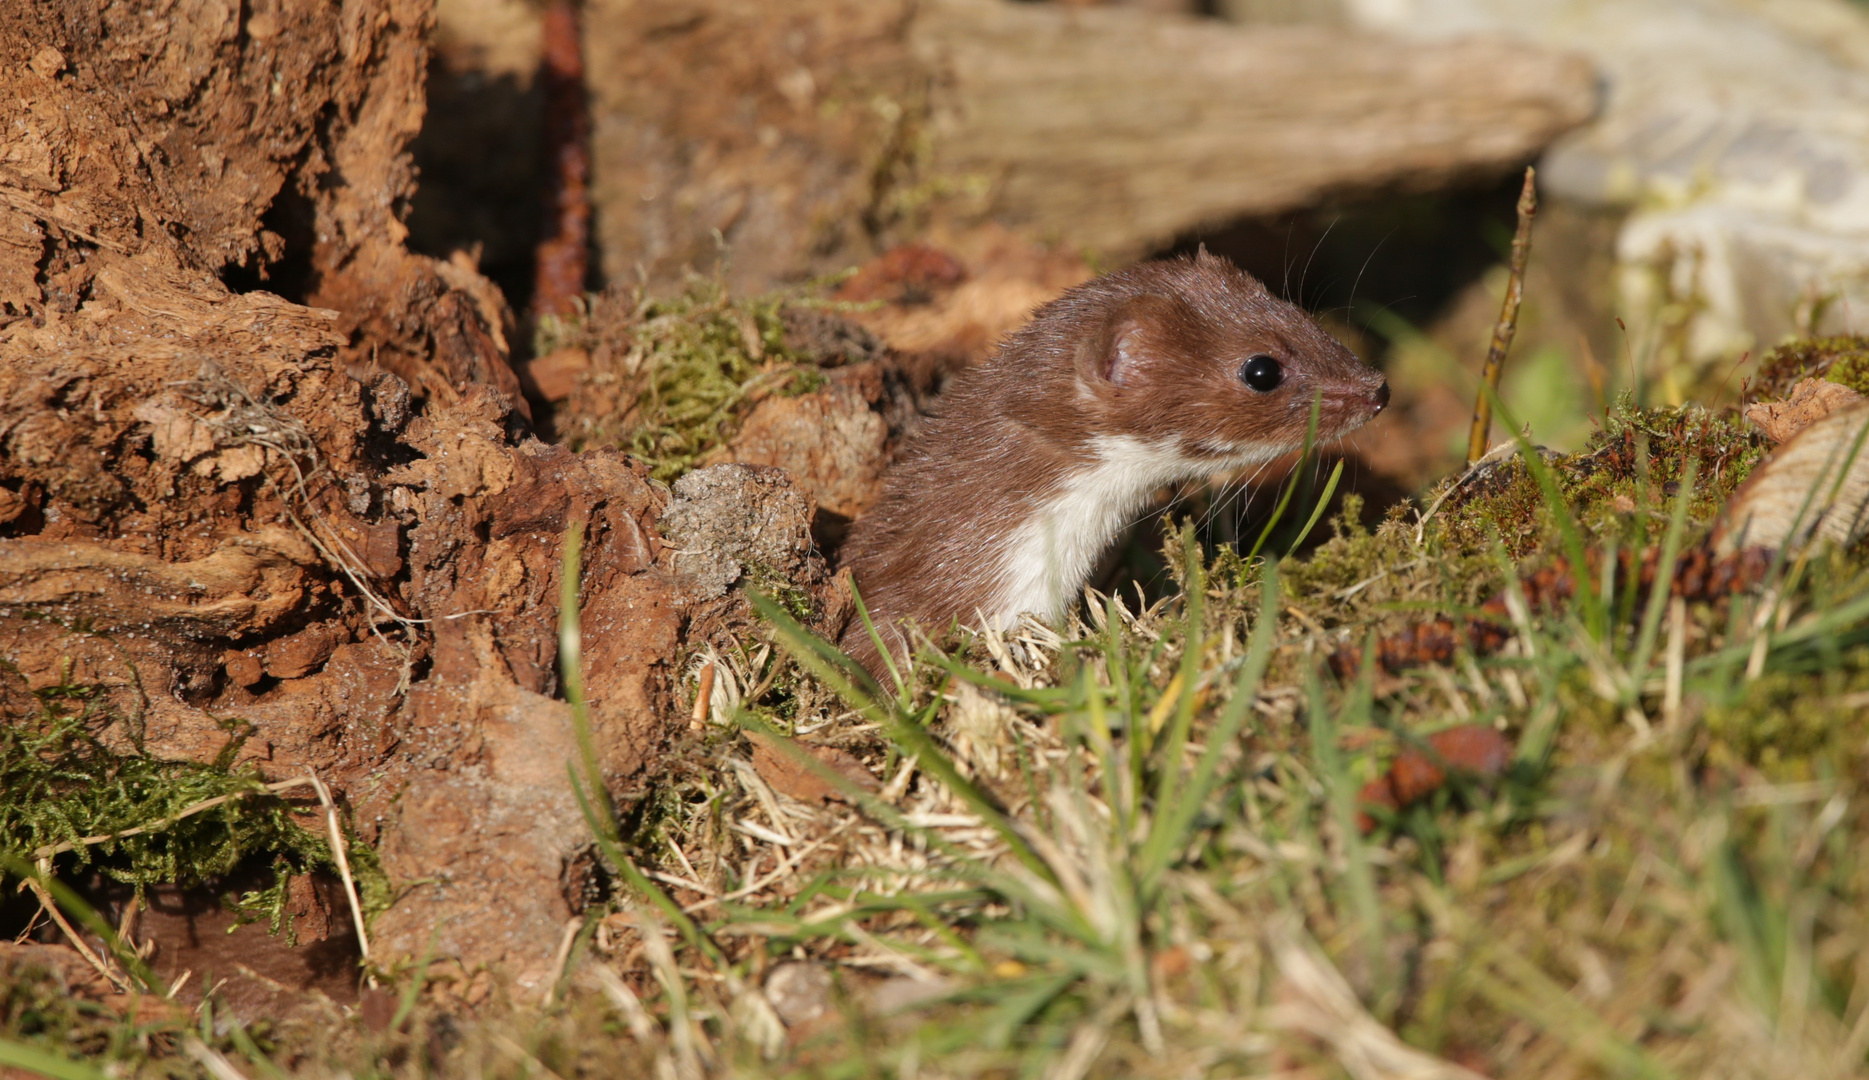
x: 1262, y: 373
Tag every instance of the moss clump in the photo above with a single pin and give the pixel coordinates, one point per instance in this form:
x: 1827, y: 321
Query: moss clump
x: 787, y: 593
x: 63, y: 784
x: 1839, y: 359
x: 1796, y: 725
x: 1358, y: 574
x: 1627, y: 475
x: 1648, y: 451
x: 679, y: 375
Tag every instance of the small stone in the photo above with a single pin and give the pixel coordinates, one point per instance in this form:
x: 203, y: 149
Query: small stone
x: 357, y: 494
x: 47, y: 62
x: 799, y: 991
x: 898, y: 995
x: 728, y: 517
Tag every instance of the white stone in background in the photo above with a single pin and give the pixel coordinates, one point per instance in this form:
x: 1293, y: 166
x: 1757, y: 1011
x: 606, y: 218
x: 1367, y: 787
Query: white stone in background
x: 1738, y: 133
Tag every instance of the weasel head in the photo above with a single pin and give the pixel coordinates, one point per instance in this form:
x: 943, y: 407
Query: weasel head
x: 1198, y: 352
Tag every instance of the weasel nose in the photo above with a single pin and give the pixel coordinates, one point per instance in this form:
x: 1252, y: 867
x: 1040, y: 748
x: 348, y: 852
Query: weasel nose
x: 1382, y: 396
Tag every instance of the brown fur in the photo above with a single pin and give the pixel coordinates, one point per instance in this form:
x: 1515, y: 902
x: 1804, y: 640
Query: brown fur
x: 1152, y: 352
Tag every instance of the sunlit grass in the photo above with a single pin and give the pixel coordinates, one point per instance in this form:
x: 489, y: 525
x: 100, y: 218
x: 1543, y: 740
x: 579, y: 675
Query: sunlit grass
x: 1130, y: 846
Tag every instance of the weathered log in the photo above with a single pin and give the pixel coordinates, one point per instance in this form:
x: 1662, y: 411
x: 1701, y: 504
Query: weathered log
x: 1121, y: 129
x: 805, y: 136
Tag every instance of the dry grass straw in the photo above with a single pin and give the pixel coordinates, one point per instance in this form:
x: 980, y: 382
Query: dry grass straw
x: 340, y: 854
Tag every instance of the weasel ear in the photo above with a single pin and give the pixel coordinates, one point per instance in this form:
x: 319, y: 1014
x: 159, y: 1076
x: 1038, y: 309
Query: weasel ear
x: 1132, y: 337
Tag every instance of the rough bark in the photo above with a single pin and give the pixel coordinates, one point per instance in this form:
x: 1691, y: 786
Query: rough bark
x: 807, y: 136
x: 1123, y: 129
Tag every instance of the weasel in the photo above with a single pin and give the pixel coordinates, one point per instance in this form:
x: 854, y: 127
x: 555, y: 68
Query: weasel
x: 1036, y: 460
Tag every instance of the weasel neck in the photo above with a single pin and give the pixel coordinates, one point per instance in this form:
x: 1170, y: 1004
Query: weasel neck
x: 1049, y: 557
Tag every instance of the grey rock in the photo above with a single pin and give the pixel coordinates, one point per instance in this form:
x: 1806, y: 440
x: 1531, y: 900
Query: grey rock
x: 799, y: 991
x: 726, y: 518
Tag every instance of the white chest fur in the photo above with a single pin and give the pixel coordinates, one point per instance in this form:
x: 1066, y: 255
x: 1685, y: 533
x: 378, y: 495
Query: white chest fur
x: 1050, y: 556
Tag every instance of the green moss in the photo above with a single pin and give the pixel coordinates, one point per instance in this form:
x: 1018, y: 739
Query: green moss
x: 1358, y: 575
x: 1839, y: 359
x: 1796, y: 725
x: 695, y: 365
x: 63, y: 784
x: 1621, y: 483
x: 788, y: 593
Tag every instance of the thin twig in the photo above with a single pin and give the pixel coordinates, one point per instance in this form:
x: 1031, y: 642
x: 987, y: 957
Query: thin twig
x: 126, y: 927
x: 703, y: 697
x: 641, y: 1026
x: 210, y: 1059
x: 561, y: 959
x: 1676, y: 661
x: 1508, y: 321
x: 1503, y: 450
x: 71, y: 935
x: 525, y: 1059
x: 778, y: 872
x: 340, y: 855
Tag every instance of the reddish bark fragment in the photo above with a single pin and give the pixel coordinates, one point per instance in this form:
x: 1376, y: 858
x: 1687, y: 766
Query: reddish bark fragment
x: 1699, y: 574
x: 904, y: 274
x: 564, y: 254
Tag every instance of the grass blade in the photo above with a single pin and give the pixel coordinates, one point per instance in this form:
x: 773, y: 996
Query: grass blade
x: 88, y: 917
x: 1291, y: 482
x: 592, y: 796
x: 1572, y: 536
x: 831, y: 666
x: 1193, y: 647
x: 1176, y: 815
x: 45, y: 1063
x: 1659, y: 592
x: 1323, y: 501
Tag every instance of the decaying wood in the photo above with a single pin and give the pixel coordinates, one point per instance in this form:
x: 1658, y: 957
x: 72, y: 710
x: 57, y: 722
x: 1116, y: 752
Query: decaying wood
x: 563, y: 255
x: 222, y: 504
x: 782, y: 139
x: 1814, y: 487
x: 1121, y: 129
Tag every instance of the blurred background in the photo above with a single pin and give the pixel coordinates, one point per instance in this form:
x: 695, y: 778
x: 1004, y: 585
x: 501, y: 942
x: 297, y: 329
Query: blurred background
x: 1703, y: 169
